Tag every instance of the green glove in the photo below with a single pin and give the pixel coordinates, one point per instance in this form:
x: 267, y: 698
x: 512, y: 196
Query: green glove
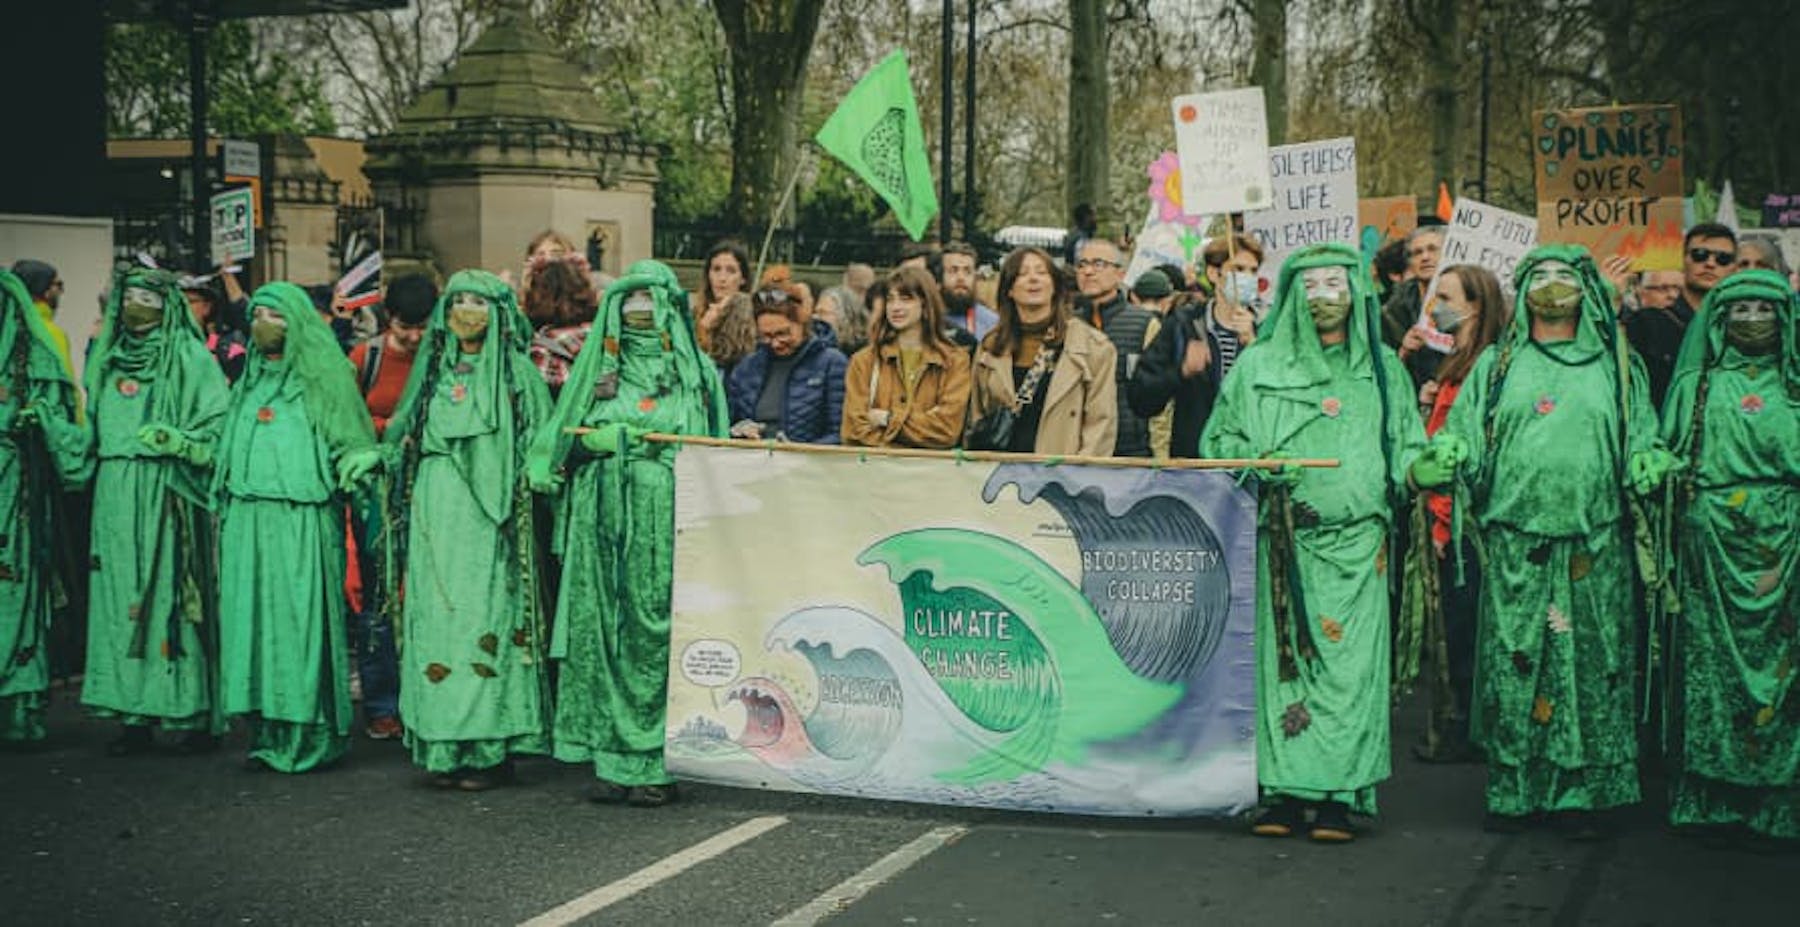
x: 1430, y: 472
x: 612, y: 438
x: 1449, y: 449
x: 355, y: 467
x: 1648, y: 469
x: 164, y: 440
x: 541, y: 478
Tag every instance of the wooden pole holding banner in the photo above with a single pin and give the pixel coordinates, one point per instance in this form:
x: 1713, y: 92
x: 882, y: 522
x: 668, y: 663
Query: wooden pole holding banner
x: 1224, y: 463
x: 781, y: 207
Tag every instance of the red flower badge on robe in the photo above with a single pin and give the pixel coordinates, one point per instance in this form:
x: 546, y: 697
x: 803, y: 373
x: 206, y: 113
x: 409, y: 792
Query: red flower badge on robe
x: 1546, y: 404
x: 128, y: 387
x: 1751, y: 404
x: 265, y: 415
x: 1331, y: 406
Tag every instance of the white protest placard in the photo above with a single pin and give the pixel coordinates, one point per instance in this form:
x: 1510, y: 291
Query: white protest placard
x: 233, y: 225
x: 1483, y: 235
x: 1314, y: 200
x: 1222, y: 139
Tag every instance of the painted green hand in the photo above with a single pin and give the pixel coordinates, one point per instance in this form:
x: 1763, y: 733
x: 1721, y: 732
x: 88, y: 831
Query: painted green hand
x: 1437, y: 466
x: 357, y: 467
x: 1285, y: 475
x: 542, y: 477
x: 164, y: 440
x: 612, y: 438
x: 1649, y: 468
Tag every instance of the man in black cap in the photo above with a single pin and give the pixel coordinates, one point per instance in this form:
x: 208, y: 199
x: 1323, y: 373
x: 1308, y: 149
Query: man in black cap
x: 46, y: 288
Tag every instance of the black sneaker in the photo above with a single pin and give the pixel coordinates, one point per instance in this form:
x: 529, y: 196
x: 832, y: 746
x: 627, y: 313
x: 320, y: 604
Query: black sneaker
x: 1281, y: 819
x: 481, y: 780
x: 607, y: 793
x: 1332, y: 823
x: 652, y: 796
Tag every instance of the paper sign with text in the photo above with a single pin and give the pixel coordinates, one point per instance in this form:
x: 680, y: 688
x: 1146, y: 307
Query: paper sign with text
x: 1314, y: 200
x: 1223, y: 142
x: 1609, y: 178
x: 1483, y: 235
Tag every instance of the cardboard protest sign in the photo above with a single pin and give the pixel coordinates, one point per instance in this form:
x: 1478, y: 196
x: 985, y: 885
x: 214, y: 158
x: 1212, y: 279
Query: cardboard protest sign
x: 1223, y: 142
x: 1314, y: 200
x: 1391, y: 217
x: 1609, y: 178
x: 1483, y: 235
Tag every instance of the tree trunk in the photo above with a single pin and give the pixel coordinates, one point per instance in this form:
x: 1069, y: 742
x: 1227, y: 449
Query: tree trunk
x: 769, y: 42
x: 1089, y: 105
x: 1268, y: 67
x: 1443, y: 71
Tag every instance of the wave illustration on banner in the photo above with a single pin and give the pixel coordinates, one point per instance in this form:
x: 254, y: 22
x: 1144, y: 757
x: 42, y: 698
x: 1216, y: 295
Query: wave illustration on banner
x: 1001, y: 682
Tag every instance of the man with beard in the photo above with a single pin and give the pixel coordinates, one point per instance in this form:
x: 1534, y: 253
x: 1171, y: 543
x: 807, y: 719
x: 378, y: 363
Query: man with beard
x: 957, y: 282
x: 1552, y: 419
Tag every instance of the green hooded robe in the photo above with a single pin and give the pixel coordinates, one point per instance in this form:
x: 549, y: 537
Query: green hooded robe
x: 1550, y: 428
x: 37, y: 460
x: 472, y: 684
x: 281, y: 540
x: 152, y: 654
x: 1323, y: 651
x: 617, y: 526
x: 1735, y: 419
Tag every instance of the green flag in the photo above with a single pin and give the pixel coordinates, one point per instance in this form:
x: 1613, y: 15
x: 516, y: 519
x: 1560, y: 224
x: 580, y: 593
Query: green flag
x: 876, y: 133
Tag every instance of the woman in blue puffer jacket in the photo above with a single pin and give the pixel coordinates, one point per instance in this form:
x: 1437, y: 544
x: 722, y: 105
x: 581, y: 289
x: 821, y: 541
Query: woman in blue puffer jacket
x: 792, y: 388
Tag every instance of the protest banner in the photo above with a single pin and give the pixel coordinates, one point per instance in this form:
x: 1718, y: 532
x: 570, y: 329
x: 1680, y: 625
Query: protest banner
x: 1781, y: 210
x: 1313, y: 202
x: 1483, y: 235
x: 1055, y: 638
x: 1222, y: 139
x: 1609, y: 178
x: 233, y: 225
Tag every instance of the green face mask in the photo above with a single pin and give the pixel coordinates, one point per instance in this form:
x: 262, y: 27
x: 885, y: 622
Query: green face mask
x: 468, y: 317
x: 639, y: 311
x: 269, y: 335
x: 1554, y: 292
x: 141, y: 310
x: 1327, y: 297
x: 1750, y: 326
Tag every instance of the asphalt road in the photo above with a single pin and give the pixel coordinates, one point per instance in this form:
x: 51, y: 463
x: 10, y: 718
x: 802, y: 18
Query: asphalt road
x: 173, y: 840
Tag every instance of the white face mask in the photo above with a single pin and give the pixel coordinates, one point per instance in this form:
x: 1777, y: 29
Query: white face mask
x: 639, y: 310
x: 1242, y: 286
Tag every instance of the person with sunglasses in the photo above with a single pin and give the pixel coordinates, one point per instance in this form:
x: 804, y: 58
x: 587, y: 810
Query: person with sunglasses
x: 1708, y: 255
x: 792, y: 387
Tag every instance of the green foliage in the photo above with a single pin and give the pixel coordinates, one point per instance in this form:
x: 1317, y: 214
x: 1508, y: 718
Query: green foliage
x: 251, y: 91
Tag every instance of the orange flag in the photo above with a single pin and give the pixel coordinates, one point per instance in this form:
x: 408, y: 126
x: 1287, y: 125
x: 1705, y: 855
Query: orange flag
x: 1444, y: 209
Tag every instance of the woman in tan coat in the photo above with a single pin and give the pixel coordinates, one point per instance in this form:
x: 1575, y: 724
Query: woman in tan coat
x: 1053, y: 368
x: 908, y: 387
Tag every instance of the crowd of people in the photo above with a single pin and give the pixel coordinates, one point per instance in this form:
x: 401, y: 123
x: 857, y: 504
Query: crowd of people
x: 1582, y: 507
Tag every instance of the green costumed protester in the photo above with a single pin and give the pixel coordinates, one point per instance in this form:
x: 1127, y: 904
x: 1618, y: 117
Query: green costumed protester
x: 1319, y: 383
x: 1550, y: 418
x: 641, y: 371
x: 295, y: 417
x: 43, y: 448
x: 1733, y: 415
x: 472, y: 683
x: 156, y: 400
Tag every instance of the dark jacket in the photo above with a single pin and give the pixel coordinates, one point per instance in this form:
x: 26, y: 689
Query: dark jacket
x: 814, y: 408
x: 1158, y: 379
x: 1400, y: 315
x: 1128, y: 328
x: 1657, y: 334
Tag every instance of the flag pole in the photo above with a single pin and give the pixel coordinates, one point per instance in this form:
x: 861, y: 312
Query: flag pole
x: 787, y: 195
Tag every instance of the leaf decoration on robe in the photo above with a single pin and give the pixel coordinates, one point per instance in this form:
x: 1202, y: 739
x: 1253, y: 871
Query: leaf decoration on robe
x: 521, y: 639
x: 436, y: 672
x: 1767, y: 582
x: 1334, y: 632
x: 1521, y: 662
x: 489, y: 644
x: 1381, y: 560
x: 1539, y: 555
x: 1580, y: 565
x: 1541, y: 710
x: 484, y: 671
x: 1737, y: 498
x: 1765, y: 716
x: 1295, y: 720
x: 1557, y: 620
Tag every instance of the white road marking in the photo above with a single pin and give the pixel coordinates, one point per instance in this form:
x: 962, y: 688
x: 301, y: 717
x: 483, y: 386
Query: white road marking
x: 846, y: 893
x: 662, y: 869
